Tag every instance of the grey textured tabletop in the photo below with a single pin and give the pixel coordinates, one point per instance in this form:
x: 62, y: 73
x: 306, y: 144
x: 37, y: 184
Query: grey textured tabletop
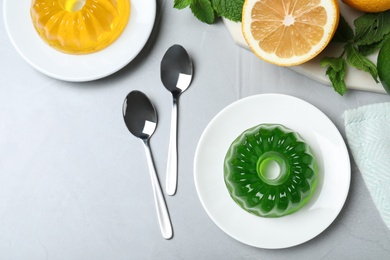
x: 74, y: 183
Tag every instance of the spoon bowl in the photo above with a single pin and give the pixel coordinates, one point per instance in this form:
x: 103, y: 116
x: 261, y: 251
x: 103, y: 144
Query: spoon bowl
x: 176, y: 75
x: 141, y: 119
x: 176, y: 70
x: 140, y: 115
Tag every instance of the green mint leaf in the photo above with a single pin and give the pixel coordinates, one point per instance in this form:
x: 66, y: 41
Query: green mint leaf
x: 230, y: 9
x: 203, y: 10
x: 370, y: 49
x: 181, y: 4
x: 357, y: 60
x: 364, y: 24
x: 344, y: 32
x: 336, y: 70
x: 372, y: 27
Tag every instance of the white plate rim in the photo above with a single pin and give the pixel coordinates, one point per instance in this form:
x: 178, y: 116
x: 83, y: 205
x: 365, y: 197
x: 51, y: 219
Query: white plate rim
x: 78, y: 68
x: 243, y: 226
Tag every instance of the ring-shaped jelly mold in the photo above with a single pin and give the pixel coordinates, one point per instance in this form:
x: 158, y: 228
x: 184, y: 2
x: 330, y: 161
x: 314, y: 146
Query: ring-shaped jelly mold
x: 270, y: 171
x: 80, y: 26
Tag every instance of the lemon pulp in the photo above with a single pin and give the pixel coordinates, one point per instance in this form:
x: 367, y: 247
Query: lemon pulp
x: 289, y: 32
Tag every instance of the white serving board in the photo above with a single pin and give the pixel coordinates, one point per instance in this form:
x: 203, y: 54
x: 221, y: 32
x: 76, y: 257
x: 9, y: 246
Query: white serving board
x: 354, y: 78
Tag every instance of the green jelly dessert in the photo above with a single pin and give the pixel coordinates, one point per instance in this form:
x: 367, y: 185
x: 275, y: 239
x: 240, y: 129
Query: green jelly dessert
x: 270, y: 171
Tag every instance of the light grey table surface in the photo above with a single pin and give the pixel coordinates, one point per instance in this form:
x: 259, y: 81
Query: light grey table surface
x: 74, y: 182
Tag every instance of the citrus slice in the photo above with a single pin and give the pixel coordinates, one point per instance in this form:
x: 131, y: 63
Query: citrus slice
x: 369, y: 6
x: 289, y: 32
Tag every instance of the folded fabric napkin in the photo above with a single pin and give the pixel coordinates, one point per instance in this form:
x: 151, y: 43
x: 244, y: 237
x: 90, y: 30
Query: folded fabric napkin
x: 368, y: 135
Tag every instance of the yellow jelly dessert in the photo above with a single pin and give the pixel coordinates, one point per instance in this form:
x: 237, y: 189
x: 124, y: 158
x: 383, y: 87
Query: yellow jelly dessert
x: 80, y: 26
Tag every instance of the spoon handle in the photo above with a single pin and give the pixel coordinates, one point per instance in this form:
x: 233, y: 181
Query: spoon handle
x: 161, y: 207
x: 171, y: 178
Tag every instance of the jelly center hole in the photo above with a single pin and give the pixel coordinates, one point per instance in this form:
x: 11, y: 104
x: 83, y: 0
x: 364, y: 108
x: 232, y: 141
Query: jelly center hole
x: 271, y: 169
x: 72, y: 5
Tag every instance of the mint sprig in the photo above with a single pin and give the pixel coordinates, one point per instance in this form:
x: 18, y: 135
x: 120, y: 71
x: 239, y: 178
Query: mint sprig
x: 371, y: 28
x: 359, y: 61
x: 202, y: 9
x: 230, y: 9
x: 371, y: 31
x: 208, y: 10
x: 181, y: 4
x: 336, y: 72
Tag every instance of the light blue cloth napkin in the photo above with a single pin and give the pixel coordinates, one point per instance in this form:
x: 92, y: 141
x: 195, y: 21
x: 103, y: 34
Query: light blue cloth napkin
x: 368, y: 135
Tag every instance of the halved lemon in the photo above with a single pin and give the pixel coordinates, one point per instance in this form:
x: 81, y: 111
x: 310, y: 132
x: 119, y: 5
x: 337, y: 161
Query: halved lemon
x: 289, y: 32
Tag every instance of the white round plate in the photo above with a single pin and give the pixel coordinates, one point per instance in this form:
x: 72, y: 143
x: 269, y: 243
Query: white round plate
x: 318, y: 131
x: 78, y: 67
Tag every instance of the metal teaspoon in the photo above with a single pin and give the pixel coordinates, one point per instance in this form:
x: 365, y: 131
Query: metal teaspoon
x: 141, y: 119
x: 176, y: 75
